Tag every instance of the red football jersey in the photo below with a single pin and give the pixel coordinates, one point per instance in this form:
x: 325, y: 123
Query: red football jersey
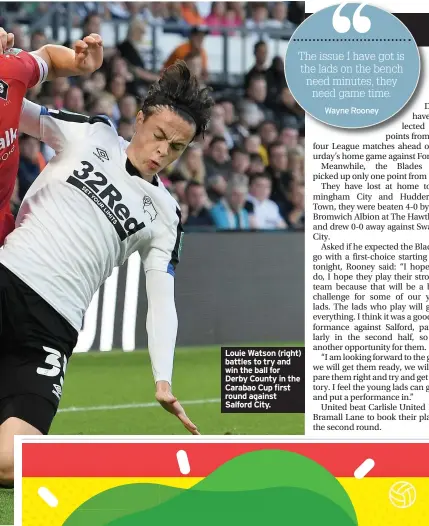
x: 19, y: 71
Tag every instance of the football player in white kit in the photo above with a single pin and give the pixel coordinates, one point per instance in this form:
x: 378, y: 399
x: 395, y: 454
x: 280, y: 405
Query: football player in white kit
x: 97, y: 201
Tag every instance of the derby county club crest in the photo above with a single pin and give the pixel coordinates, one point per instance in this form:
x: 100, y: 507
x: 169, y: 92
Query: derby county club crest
x: 148, y: 208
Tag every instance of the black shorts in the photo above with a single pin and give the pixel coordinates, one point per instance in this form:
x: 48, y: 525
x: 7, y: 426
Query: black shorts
x: 36, y: 343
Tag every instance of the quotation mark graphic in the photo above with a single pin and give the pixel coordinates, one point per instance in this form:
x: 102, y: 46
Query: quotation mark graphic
x: 340, y: 80
x: 341, y: 24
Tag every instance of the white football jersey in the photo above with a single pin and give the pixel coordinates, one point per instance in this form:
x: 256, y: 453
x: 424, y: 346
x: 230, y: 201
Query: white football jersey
x: 86, y: 213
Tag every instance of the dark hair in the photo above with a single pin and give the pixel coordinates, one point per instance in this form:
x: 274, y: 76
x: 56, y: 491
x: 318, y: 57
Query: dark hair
x: 176, y: 177
x: 259, y: 5
x: 262, y: 175
x: 192, y: 184
x: 277, y: 61
x: 180, y: 91
x: 258, y: 44
x: 267, y: 121
x: 289, y: 121
x: 216, y: 139
x: 239, y: 149
x: 255, y: 157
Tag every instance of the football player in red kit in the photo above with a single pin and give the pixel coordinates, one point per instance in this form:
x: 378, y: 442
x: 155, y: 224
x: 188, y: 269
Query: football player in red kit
x: 19, y: 71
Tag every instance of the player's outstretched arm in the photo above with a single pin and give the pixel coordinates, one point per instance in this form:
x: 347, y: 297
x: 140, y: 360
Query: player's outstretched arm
x: 162, y: 332
x: 86, y: 57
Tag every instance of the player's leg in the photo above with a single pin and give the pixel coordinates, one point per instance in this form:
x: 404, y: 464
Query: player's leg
x: 21, y: 414
x: 11, y: 427
x: 30, y: 391
x: 36, y: 343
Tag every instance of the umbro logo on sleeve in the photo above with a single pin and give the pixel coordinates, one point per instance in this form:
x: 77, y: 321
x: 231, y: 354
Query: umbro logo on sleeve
x: 101, y: 154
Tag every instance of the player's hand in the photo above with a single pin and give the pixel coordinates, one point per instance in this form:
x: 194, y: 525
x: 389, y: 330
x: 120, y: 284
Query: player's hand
x: 89, y: 53
x: 6, y: 40
x: 170, y: 403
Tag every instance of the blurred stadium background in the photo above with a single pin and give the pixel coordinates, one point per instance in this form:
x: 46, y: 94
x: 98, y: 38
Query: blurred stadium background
x: 241, y: 191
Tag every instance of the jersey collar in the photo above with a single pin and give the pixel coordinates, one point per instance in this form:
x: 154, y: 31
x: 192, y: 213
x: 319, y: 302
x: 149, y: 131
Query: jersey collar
x: 132, y: 170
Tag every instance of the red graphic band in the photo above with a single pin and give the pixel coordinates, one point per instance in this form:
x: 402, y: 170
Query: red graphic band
x: 159, y: 460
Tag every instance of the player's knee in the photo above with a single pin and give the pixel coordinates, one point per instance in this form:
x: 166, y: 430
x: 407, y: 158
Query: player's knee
x: 6, y: 471
x: 6, y: 455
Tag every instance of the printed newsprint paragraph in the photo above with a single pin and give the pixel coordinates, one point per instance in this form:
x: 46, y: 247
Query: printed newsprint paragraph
x: 368, y: 276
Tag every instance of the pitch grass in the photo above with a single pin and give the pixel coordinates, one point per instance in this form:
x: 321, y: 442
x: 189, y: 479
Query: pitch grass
x: 118, y: 378
x: 6, y: 506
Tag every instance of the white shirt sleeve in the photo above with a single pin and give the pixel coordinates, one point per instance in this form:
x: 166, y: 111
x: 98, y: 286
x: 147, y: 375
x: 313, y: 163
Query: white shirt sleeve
x: 273, y: 208
x: 164, y: 251
x: 276, y: 214
x: 159, y: 261
x: 55, y: 127
x: 161, y: 323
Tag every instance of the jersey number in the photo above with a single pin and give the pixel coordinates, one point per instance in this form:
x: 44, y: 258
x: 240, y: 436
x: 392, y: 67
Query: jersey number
x: 101, y: 179
x: 54, y: 360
